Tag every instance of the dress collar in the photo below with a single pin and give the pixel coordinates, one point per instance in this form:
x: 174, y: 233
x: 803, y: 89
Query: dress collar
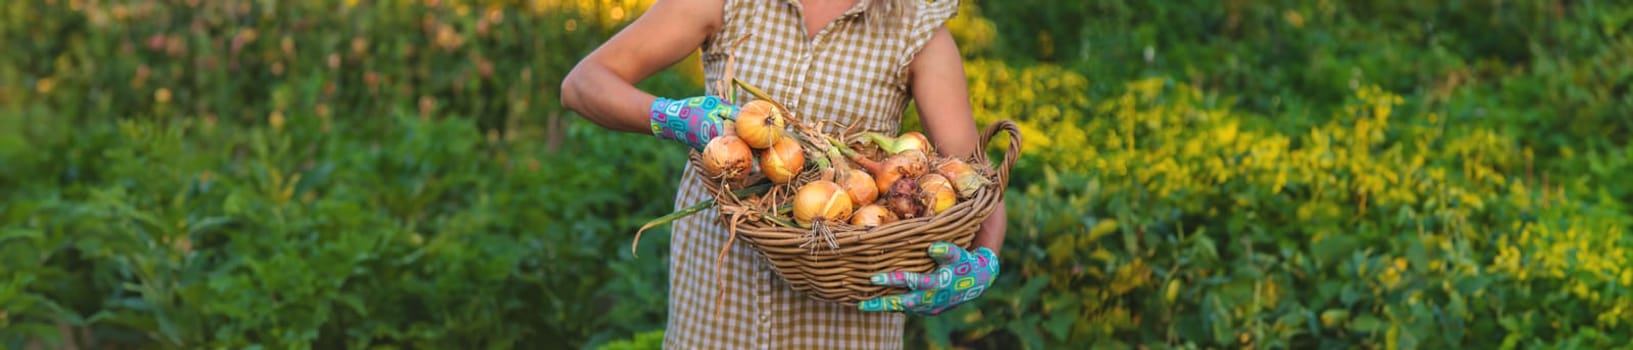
x: 860, y: 6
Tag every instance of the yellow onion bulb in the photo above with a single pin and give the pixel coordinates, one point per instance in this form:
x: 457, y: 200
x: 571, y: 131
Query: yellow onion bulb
x: 908, y: 141
x: 760, y: 124
x: 726, y: 157
x: 913, y: 140
x: 937, y: 193
x: 821, y: 200
x: 860, y: 186
x: 963, y: 177
x: 872, y: 215
x: 907, y: 164
x: 782, y: 161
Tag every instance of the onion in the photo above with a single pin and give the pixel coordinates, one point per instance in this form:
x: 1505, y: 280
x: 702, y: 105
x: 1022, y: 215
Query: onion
x: 911, y: 140
x: 872, y: 215
x: 867, y: 149
x: 908, y: 164
x: 760, y: 124
x: 857, y: 183
x: 783, y: 160
x: 820, y: 201
x: 860, y: 186
x: 914, y: 140
x: 903, y: 198
x: 726, y: 157
x: 937, y: 193
x: 963, y: 177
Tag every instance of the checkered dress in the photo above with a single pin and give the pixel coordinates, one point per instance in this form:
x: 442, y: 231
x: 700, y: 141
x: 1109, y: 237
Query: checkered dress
x: 852, y: 72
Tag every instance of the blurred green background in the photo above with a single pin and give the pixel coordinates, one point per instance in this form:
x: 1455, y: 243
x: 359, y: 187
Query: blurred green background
x: 1328, y: 174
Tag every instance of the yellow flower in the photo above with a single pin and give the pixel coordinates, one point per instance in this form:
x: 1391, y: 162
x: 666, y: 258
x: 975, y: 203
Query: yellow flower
x: 1294, y: 18
x: 45, y: 85
x: 276, y: 120
x: 162, y: 95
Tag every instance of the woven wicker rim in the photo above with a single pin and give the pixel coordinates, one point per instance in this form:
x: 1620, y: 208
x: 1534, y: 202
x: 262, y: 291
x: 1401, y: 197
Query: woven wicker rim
x: 840, y: 272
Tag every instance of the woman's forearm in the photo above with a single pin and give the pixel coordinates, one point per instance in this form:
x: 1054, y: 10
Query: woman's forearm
x: 602, y: 87
x: 991, y: 234
x: 597, y: 94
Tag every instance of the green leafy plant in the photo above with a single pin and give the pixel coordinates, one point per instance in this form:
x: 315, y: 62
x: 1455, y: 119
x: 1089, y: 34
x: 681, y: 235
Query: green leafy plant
x: 352, y: 174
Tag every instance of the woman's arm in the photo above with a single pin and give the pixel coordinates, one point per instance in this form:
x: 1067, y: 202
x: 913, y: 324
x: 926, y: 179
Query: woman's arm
x: 943, y: 98
x: 602, y: 86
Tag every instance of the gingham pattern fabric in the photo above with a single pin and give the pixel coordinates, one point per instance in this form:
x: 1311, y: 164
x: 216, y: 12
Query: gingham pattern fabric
x: 851, y: 72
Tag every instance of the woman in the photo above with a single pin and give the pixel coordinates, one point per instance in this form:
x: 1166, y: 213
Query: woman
x: 855, y: 62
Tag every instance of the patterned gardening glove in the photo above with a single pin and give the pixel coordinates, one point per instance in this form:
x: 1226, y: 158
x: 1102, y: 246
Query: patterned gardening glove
x: 962, y: 277
x: 692, y: 121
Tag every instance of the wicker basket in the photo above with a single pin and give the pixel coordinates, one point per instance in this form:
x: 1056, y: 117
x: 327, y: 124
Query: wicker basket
x: 837, y: 268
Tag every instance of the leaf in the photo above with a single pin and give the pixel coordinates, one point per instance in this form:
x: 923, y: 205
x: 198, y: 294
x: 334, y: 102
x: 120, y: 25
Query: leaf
x: 1310, y: 321
x: 168, y: 328
x: 1366, y: 323
x: 1060, y: 249
x: 1333, y: 247
x: 16, y: 233
x: 65, y: 314
x: 48, y: 334
x: 1102, y: 228
x: 1416, y: 254
x: 1334, y: 317
x: 1451, y: 320
x: 1351, y: 294
x: 1472, y: 283
x: 235, y: 204
x: 1029, y: 292
x: 1407, y: 338
x: 1025, y: 328
x: 938, y: 331
x: 1219, y: 319
x: 1103, y: 255
x: 1510, y: 323
x: 205, y: 224
x: 1059, y: 325
x: 355, y: 303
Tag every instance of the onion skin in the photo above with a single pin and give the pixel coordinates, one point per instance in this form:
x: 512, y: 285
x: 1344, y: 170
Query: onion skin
x: 726, y: 157
x: 934, y: 181
x: 782, y: 161
x: 937, y: 193
x: 914, y: 140
x: 760, y: 124
x: 860, y: 186
x: 911, y: 140
x: 867, y: 149
x: 872, y: 215
x: 908, y: 164
x: 963, y: 177
x: 821, y: 201
x: 903, y: 199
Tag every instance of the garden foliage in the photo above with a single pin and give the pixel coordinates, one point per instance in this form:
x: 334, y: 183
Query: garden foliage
x: 1197, y: 174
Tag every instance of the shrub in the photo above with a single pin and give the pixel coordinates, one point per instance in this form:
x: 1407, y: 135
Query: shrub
x: 189, y: 174
x: 1190, y: 226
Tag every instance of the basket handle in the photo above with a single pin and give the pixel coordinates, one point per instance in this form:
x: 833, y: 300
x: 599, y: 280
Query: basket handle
x: 1010, y: 155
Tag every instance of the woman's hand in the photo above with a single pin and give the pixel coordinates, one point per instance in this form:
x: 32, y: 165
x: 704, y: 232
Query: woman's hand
x: 693, y: 121
x: 962, y: 276
x: 602, y: 86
